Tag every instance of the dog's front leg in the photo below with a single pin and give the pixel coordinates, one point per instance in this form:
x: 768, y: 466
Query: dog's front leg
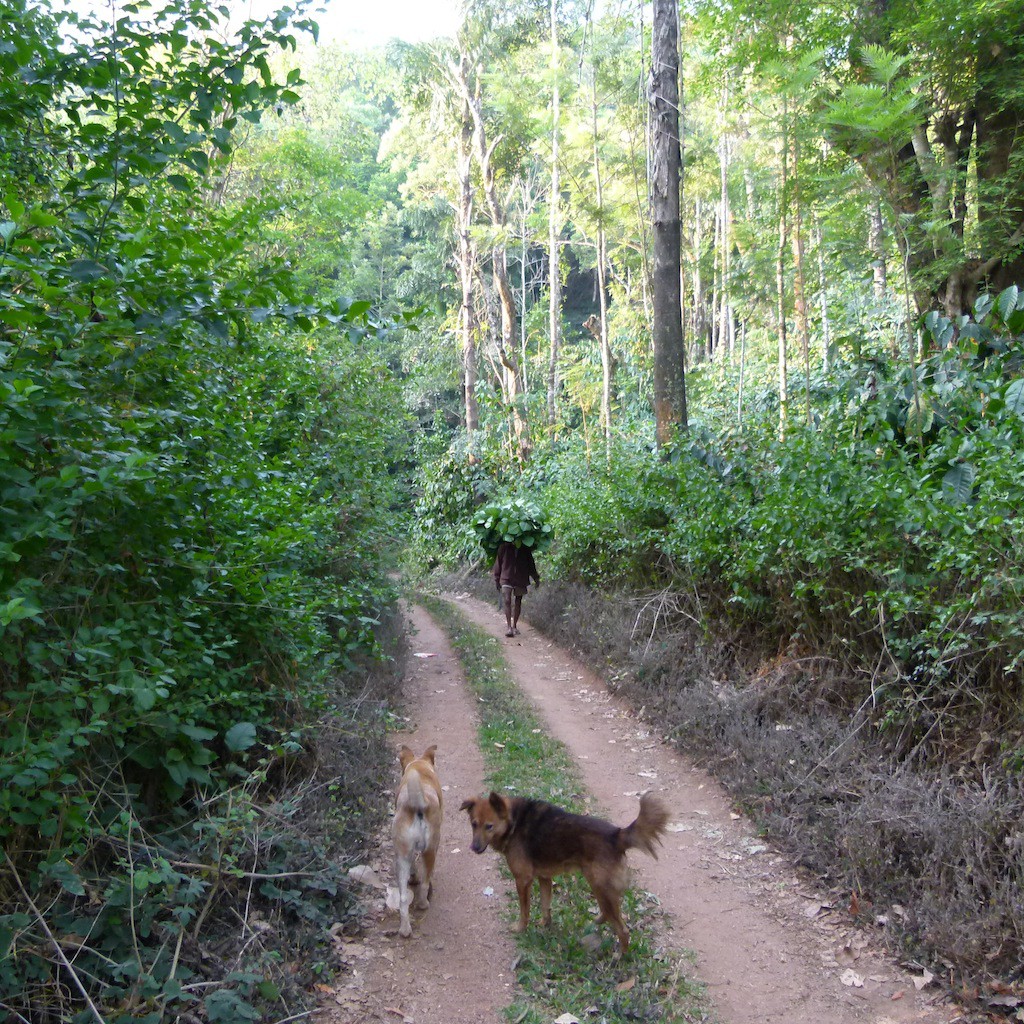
x: 523, y: 885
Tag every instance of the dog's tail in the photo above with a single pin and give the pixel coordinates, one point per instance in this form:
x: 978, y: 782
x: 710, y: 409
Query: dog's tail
x: 648, y: 828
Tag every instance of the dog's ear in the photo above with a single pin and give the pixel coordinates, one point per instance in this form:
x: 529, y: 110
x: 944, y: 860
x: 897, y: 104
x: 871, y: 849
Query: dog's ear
x: 467, y: 805
x: 499, y: 803
x: 405, y: 755
x: 428, y: 754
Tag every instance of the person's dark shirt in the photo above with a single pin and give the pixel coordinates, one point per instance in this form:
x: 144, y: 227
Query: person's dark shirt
x: 514, y: 567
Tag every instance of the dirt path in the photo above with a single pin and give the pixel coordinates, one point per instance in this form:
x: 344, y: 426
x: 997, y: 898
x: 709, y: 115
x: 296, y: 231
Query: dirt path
x: 456, y: 967
x: 767, y: 949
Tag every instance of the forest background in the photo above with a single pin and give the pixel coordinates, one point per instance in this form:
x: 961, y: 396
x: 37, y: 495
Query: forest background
x: 269, y: 307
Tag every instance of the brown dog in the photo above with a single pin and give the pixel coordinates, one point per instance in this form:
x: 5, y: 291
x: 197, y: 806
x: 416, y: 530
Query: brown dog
x: 540, y: 841
x: 416, y: 830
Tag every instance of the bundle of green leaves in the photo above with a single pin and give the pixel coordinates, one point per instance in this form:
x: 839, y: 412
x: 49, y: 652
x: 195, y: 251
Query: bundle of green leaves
x: 517, y: 522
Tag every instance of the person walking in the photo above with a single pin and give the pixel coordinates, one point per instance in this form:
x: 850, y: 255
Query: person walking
x: 514, y: 567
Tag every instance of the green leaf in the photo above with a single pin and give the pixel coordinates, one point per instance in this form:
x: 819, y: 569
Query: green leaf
x: 87, y: 271
x: 1006, y: 302
x: 226, y: 1007
x: 1014, y: 396
x: 958, y: 484
x: 920, y: 417
x: 241, y: 736
x: 16, y: 609
x: 63, y: 873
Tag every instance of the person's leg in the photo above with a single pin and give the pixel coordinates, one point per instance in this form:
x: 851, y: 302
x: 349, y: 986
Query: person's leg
x: 515, y: 613
x: 506, y: 594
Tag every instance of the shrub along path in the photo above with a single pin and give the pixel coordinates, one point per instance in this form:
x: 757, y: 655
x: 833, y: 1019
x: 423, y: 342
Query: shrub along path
x: 768, y: 949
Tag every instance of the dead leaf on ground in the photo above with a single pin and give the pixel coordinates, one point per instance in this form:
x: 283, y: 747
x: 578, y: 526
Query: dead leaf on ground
x: 1007, y: 1000
x: 567, y: 1018
x: 625, y: 986
x: 364, y: 874
x: 924, y: 981
x: 851, y: 978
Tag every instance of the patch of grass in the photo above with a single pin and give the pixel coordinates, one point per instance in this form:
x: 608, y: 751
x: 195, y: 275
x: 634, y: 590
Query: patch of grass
x: 570, y: 967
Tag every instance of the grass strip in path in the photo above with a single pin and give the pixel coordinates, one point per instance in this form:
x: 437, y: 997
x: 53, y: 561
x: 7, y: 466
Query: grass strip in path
x: 569, y: 968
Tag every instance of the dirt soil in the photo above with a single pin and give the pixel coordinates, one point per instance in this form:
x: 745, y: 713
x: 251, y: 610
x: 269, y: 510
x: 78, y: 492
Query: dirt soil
x: 768, y: 947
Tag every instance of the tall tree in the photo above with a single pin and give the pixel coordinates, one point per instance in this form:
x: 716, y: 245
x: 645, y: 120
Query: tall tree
x: 554, y: 229
x: 468, y: 79
x: 665, y: 187
x: 467, y: 264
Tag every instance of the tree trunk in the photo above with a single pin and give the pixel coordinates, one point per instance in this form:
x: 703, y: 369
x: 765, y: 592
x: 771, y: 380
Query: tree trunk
x: 716, y: 284
x: 780, y: 277
x: 725, y: 336
x: 826, y: 325
x: 876, y: 245
x: 666, y: 171
x: 602, y: 288
x: 523, y: 255
x: 467, y: 260
x: 799, y: 283
x: 554, y: 261
x: 699, y: 297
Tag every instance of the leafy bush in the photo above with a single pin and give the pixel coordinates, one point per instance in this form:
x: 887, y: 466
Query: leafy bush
x: 194, y: 505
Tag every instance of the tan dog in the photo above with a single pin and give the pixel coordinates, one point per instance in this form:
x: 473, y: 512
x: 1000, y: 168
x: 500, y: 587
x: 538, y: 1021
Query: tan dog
x: 540, y: 841
x: 416, y: 830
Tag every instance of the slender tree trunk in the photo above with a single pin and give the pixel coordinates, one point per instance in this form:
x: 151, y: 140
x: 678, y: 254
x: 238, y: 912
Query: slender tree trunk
x: 743, y: 369
x: 780, y: 275
x: 523, y: 251
x: 876, y: 245
x: 725, y: 312
x: 467, y: 260
x: 699, y: 298
x: 826, y: 326
x: 714, y: 339
x: 666, y: 170
x: 799, y: 282
x: 554, y: 260
x: 602, y: 287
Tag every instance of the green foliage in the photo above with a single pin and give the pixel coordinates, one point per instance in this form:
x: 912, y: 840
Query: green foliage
x: 194, y: 493
x: 515, y: 522
x: 452, y: 487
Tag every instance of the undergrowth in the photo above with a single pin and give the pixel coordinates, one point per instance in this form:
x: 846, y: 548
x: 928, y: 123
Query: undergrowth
x: 569, y: 967
x: 938, y: 852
